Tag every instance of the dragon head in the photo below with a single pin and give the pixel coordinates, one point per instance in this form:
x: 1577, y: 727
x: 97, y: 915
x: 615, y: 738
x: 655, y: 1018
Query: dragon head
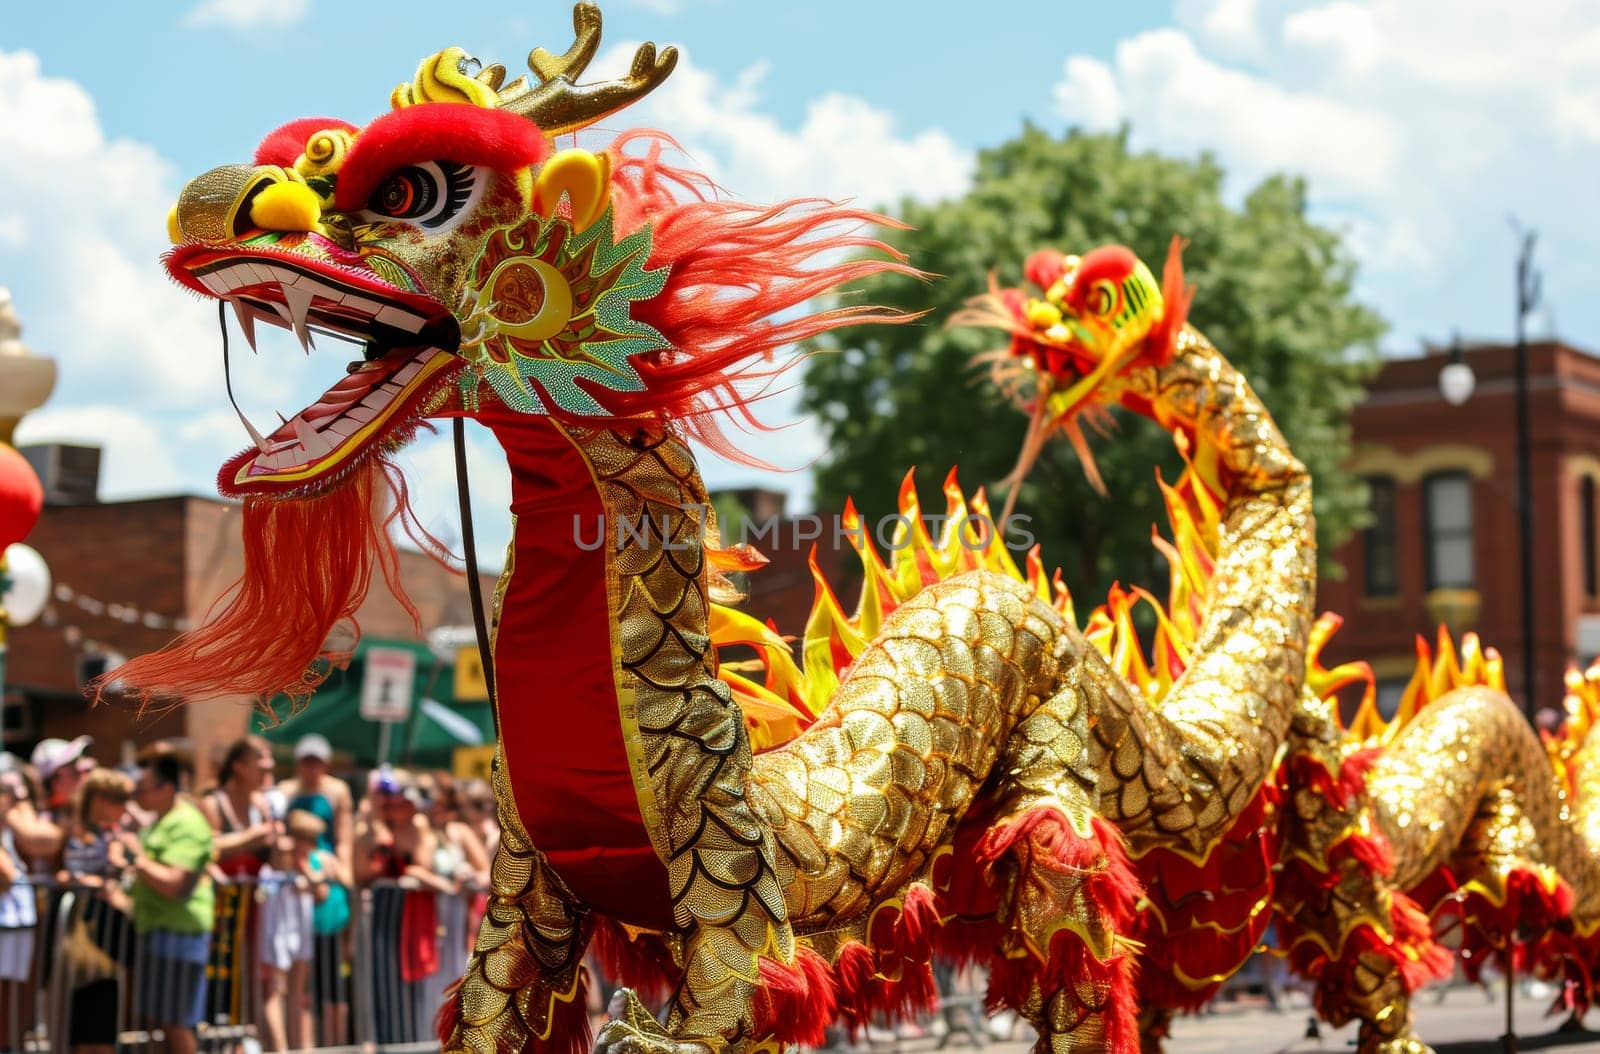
x: 1095, y: 313
x: 478, y: 271
x: 447, y: 240
x: 1075, y: 336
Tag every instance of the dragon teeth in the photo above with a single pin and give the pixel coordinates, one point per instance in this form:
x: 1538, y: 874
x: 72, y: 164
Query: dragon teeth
x: 255, y: 435
x: 246, y: 318
x: 314, y: 443
x: 297, y: 301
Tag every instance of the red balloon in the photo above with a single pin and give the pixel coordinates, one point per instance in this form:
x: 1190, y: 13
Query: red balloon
x: 21, y: 496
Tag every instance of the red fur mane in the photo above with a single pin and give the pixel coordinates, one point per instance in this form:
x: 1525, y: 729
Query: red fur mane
x: 738, y: 274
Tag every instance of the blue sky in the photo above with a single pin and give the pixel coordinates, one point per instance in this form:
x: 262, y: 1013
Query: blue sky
x: 1420, y: 125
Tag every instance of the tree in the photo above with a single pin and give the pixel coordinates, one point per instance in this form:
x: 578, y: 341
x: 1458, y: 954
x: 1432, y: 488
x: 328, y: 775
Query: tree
x: 1273, y: 293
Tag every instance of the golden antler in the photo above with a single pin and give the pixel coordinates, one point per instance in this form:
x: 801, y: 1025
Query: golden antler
x: 557, y: 105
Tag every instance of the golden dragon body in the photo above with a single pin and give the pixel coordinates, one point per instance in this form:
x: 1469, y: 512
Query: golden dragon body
x: 975, y: 776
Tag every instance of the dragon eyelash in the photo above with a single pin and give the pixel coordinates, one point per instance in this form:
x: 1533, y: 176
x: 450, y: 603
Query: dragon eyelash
x: 459, y: 180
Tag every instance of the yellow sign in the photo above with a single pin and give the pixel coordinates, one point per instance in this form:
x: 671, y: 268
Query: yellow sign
x: 471, y: 686
x: 472, y: 763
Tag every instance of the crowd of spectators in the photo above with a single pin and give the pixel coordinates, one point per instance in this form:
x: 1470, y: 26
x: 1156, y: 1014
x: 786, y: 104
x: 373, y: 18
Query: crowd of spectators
x: 186, y: 908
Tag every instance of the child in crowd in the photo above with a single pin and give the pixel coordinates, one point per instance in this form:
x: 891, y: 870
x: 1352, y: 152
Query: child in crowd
x: 299, y: 880
x: 101, y: 937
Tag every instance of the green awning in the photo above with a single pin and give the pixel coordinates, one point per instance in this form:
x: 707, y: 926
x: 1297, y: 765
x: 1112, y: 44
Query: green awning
x: 428, y: 739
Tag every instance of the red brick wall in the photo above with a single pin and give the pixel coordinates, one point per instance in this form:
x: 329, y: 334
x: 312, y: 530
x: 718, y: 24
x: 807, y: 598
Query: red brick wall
x: 1405, y: 413
x: 173, y: 557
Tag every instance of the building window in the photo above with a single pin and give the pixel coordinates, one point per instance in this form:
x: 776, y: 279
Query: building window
x: 1586, y: 510
x: 1447, y: 521
x: 1382, y: 540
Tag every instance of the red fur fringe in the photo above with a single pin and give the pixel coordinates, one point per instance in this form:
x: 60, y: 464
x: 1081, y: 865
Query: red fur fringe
x: 1372, y: 852
x: 894, y: 977
x: 1353, y: 773
x: 738, y: 271
x: 643, y: 963
x: 1072, y: 967
x: 448, y: 1017
x: 865, y: 993
x: 1044, y: 837
x: 1421, y: 959
x: 308, y: 564
x: 1341, y: 789
x: 795, y: 1004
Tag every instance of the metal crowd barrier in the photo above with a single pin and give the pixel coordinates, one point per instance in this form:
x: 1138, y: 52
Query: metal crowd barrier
x: 373, y: 989
x: 70, y: 982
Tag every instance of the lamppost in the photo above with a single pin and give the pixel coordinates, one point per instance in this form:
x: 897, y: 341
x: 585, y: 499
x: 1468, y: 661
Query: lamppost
x: 1456, y: 383
x: 1528, y: 282
x: 25, y: 383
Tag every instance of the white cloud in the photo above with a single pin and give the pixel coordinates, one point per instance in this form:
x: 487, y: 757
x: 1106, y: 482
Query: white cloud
x: 1183, y: 100
x: 1232, y: 27
x: 247, y: 14
x: 1344, y: 35
x: 99, y: 300
x: 1088, y: 93
x: 1419, y: 124
x: 844, y: 148
x: 135, y: 353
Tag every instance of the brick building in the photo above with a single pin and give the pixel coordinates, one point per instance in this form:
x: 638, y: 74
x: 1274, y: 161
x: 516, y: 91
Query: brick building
x: 127, y: 575
x: 1443, y: 543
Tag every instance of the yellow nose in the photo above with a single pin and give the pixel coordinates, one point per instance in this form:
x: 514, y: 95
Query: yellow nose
x: 286, y: 207
x: 223, y: 204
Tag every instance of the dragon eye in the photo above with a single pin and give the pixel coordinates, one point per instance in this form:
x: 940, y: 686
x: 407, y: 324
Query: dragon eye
x: 1102, y: 298
x: 429, y: 195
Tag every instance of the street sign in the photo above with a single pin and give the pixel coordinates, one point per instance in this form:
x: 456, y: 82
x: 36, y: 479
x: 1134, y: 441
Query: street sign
x: 473, y: 763
x: 470, y: 685
x: 386, y: 687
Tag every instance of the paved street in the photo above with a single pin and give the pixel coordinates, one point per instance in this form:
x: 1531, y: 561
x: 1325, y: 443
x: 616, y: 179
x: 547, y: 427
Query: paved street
x: 1465, y: 1021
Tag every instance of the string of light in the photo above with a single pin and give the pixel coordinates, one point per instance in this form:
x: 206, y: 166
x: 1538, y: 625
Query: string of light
x: 130, y: 614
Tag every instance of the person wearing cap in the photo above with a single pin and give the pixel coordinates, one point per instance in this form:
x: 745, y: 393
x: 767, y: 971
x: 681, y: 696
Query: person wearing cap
x: 313, y: 789
x: 42, y: 831
x: 62, y: 764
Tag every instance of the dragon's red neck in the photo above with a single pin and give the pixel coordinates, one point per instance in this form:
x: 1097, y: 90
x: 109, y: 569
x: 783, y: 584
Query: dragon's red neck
x: 566, y: 708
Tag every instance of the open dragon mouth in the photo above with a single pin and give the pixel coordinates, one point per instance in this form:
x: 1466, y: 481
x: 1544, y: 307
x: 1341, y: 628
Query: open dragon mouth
x: 407, y: 354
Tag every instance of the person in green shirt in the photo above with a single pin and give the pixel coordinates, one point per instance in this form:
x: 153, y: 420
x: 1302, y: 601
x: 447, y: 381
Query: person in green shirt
x: 173, y: 901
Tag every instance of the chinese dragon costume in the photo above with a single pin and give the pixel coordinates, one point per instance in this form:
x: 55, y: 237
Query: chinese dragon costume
x: 955, y: 768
